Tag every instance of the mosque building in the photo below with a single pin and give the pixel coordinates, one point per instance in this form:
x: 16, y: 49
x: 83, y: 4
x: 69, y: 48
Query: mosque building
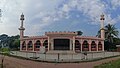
x: 66, y: 41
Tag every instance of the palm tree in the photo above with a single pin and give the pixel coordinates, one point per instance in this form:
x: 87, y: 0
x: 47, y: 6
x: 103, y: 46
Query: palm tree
x: 110, y: 32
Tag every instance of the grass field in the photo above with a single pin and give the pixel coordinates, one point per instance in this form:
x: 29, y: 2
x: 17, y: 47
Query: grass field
x: 112, y: 64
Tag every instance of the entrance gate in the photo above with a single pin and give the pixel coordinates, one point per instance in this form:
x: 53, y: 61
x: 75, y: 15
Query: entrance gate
x: 61, y: 44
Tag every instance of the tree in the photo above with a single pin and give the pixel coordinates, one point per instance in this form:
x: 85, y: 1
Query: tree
x: 111, y: 33
x: 79, y: 32
x: 9, y: 41
x: 16, y: 43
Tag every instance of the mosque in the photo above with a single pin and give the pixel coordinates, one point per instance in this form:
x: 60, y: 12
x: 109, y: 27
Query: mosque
x: 65, y: 42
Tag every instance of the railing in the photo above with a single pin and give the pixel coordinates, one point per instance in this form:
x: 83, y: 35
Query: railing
x: 64, y: 57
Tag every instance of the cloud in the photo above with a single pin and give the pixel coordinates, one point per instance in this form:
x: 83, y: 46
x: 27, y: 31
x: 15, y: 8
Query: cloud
x: 115, y: 3
x: 42, y: 13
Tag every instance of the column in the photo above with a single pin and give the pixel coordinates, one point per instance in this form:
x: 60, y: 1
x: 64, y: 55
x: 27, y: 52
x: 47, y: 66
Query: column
x: 89, y: 42
x: 97, y: 45
x: 42, y: 48
x: 48, y: 43
x: 52, y: 44
x: 33, y: 42
x: 102, y: 45
x: 21, y: 45
x: 26, y: 45
x: 81, y: 44
x: 73, y: 43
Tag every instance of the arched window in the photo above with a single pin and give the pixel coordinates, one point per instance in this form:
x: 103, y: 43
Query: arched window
x: 77, y: 46
x: 37, y: 44
x: 24, y: 45
x: 99, y: 46
x: 30, y: 45
x: 85, y: 46
x: 93, y: 46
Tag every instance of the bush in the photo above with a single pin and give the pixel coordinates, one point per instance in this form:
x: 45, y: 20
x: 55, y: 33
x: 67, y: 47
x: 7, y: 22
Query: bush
x: 5, y: 51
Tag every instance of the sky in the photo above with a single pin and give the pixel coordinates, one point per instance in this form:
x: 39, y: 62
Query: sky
x: 58, y: 15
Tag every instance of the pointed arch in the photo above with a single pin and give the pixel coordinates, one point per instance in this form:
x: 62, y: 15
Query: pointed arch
x: 77, y: 46
x: 93, y: 46
x: 85, y: 45
x: 24, y: 46
x: 30, y: 45
x: 99, y: 46
x: 46, y: 44
x: 37, y: 45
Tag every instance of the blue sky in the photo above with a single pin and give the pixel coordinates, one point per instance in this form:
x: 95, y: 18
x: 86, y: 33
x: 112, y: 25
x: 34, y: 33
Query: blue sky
x: 58, y: 15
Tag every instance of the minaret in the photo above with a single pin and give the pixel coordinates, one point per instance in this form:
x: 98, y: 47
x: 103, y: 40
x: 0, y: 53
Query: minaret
x: 102, y: 30
x: 21, y: 27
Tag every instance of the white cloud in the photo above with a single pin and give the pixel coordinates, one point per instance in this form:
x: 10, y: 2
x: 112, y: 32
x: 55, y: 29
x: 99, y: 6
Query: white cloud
x: 41, y: 13
x: 65, y: 8
x: 115, y: 3
x: 46, y: 19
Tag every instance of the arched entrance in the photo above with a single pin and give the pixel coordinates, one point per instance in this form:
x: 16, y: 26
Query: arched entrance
x: 30, y: 45
x: 45, y: 44
x: 99, y: 46
x: 77, y: 46
x: 37, y: 45
x: 24, y: 46
x: 93, y: 46
x: 85, y: 46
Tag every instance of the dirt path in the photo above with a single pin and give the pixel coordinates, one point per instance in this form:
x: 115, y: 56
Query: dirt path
x: 11, y: 62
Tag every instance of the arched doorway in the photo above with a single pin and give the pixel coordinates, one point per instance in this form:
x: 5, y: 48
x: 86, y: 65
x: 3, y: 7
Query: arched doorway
x: 30, y: 45
x: 45, y: 44
x: 85, y: 46
x: 77, y: 46
x: 93, y: 46
x: 99, y: 46
x: 24, y: 46
x: 37, y: 45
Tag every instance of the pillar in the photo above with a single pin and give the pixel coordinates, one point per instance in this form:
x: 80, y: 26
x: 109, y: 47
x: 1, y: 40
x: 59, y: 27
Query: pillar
x: 89, y: 42
x: 102, y: 45
x: 81, y: 44
x: 33, y: 42
x: 73, y: 43
x: 26, y: 45
x: 97, y: 45
x: 48, y: 43
x: 52, y: 44
x: 21, y: 45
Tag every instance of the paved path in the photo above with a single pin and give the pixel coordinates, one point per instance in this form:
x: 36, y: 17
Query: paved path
x: 11, y: 62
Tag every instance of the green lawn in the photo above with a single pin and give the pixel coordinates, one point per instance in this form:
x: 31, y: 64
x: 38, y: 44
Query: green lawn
x: 112, y: 64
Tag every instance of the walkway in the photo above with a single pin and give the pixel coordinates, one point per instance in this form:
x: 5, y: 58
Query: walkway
x: 11, y: 62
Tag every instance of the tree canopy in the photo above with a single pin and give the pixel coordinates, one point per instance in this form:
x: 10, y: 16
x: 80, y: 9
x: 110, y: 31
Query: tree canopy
x: 11, y: 42
x: 79, y: 32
